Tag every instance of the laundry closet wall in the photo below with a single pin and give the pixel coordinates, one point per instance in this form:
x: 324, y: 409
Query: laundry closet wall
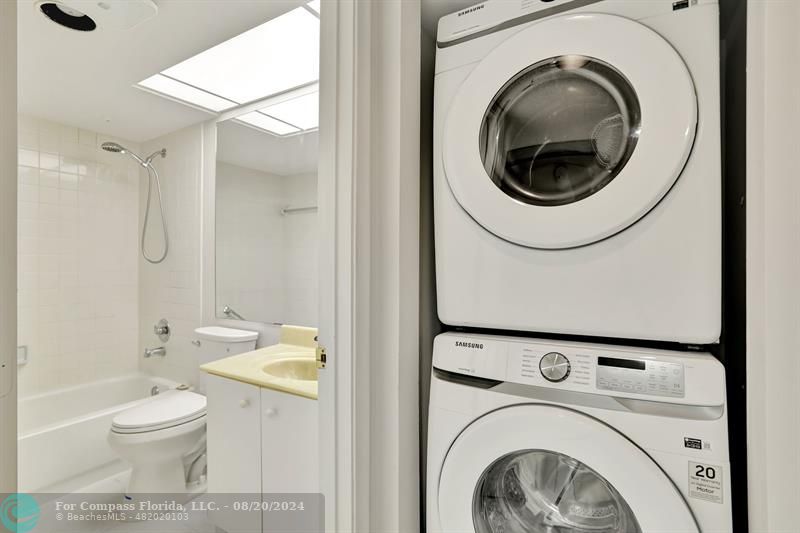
x: 429, y: 325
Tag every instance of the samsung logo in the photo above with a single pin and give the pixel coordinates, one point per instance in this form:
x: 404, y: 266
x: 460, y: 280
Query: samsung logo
x: 473, y: 345
x: 470, y: 10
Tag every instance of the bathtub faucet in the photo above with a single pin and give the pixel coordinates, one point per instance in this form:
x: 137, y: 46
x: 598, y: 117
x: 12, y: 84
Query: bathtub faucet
x: 160, y: 352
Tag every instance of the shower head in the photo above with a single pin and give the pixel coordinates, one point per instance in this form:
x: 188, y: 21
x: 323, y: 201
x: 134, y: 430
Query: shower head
x: 113, y: 148
x: 116, y: 148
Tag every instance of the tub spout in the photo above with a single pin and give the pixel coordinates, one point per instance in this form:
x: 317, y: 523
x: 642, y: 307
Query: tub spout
x: 160, y: 352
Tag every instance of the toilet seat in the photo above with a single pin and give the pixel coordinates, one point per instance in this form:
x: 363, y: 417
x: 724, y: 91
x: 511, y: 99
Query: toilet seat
x: 170, y: 409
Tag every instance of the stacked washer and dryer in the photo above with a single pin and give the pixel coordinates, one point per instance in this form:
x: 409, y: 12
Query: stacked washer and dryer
x: 577, y: 187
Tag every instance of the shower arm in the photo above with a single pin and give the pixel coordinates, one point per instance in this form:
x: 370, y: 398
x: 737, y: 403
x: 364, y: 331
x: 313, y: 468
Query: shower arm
x: 149, y: 159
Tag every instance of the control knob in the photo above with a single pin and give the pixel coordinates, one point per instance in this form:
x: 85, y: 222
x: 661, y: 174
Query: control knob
x: 554, y: 367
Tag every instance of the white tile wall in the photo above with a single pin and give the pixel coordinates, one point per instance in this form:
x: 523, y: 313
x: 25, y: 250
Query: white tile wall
x: 78, y: 268
x: 172, y: 289
x: 266, y: 262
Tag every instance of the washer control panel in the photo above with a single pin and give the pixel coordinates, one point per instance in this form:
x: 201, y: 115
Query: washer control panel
x: 620, y: 371
x: 641, y: 376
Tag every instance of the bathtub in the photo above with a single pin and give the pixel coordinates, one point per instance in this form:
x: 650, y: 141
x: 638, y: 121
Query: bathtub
x: 62, y: 433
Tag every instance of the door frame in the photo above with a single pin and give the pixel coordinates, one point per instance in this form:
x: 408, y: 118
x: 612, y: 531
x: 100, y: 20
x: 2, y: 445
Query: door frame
x: 369, y: 264
x: 369, y: 298
x: 8, y: 246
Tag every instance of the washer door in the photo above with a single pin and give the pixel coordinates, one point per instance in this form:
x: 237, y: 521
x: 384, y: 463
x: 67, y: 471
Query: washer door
x: 539, y: 468
x: 570, y: 131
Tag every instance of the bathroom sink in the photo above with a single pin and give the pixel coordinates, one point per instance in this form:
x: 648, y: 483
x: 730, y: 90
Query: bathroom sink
x: 299, y: 368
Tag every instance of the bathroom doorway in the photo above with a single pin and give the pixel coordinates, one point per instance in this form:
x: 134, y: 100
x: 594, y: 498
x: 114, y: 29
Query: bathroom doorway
x: 113, y: 221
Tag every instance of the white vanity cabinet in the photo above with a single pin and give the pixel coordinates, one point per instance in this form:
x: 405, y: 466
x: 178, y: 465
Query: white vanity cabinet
x: 233, y: 447
x: 260, y: 441
x: 289, y: 443
x: 234, y: 436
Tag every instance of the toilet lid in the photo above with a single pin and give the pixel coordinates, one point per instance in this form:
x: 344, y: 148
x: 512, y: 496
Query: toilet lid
x: 167, y: 410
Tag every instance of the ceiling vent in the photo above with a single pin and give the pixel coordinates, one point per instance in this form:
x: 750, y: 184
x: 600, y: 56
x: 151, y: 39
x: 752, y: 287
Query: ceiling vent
x: 67, y: 17
x: 86, y: 15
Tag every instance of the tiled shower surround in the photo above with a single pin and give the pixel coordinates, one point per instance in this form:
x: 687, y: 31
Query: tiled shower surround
x: 78, y: 257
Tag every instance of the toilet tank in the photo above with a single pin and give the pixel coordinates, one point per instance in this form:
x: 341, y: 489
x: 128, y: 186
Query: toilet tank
x: 216, y: 342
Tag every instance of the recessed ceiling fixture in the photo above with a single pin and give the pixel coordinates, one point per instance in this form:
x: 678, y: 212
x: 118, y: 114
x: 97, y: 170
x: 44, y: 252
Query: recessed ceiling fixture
x: 67, y: 16
x: 279, y: 57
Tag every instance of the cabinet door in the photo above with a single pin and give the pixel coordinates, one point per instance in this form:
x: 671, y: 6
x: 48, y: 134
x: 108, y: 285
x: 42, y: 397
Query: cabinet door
x: 289, y: 443
x: 234, y: 436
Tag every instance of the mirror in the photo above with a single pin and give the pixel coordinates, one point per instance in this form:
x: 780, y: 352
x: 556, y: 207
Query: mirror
x: 266, y: 222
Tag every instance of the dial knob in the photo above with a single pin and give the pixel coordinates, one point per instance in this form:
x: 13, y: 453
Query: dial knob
x: 554, y: 367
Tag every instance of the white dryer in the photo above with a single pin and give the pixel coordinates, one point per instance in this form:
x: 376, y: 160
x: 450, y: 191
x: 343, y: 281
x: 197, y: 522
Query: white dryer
x: 530, y: 436
x: 577, y: 168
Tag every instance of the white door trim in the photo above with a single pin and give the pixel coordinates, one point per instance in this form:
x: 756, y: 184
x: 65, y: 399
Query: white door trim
x: 343, y: 485
x: 369, y: 277
x: 8, y: 246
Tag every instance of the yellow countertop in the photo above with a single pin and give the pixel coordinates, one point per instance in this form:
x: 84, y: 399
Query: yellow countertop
x: 295, y: 342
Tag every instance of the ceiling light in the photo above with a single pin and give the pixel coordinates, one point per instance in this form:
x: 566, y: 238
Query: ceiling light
x: 185, y: 93
x: 302, y: 111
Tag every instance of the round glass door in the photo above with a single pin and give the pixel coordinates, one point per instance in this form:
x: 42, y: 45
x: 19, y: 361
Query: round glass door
x: 561, y: 137
x: 538, y: 468
x: 539, y: 491
x: 560, y: 130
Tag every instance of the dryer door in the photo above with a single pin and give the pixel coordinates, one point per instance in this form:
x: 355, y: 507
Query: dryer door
x: 536, y: 468
x: 570, y: 131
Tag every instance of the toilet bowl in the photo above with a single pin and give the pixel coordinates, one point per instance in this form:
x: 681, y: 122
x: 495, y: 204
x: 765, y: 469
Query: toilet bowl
x: 155, y: 438
x: 164, y: 439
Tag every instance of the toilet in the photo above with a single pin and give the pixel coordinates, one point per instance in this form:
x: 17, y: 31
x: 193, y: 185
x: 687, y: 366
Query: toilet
x: 164, y: 436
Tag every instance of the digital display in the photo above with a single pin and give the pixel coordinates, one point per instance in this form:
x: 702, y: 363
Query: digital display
x: 621, y: 363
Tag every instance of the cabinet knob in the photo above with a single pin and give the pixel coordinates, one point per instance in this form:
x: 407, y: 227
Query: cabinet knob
x: 271, y: 412
x: 244, y: 403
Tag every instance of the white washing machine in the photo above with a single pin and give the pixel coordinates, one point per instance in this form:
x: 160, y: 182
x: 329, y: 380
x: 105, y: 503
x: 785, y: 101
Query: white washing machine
x: 577, y: 168
x: 533, y: 436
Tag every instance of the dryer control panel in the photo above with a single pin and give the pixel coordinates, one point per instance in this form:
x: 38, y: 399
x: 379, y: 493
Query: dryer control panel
x: 620, y: 371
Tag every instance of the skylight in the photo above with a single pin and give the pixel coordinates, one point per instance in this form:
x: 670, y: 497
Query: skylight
x: 302, y: 111
x: 186, y: 93
x: 263, y: 122
x: 278, y: 57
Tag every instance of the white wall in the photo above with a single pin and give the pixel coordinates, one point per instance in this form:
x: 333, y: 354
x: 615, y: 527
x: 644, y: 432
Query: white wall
x: 172, y: 289
x: 77, y: 262
x: 249, y: 243
x: 8, y: 246
x: 301, y: 263
x: 773, y: 264
x: 266, y: 262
